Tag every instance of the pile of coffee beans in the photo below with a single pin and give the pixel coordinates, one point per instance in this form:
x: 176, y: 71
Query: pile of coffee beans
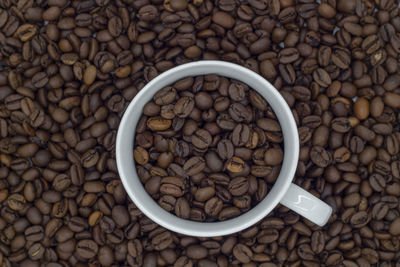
x: 69, y: 69
x: 207, y: 147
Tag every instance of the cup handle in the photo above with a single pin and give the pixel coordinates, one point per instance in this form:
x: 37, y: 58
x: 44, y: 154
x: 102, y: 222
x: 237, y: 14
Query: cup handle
x: 307, y: 205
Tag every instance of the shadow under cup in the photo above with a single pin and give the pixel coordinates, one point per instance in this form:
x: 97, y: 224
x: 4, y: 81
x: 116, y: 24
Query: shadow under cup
x: 135, y: 188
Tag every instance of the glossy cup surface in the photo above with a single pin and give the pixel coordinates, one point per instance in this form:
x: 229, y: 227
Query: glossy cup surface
x: 133, y: 185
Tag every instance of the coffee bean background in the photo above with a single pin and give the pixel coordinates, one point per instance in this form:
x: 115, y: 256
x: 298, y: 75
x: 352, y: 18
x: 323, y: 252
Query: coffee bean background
x: 70, y: 68
x: 208, y: 148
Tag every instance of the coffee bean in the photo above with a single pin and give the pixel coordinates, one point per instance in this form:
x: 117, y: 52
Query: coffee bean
x: 322, y: 77
x: 341, y: 125
x: 172, y: 186
x: 228, y: 213
x: 16, y: 202
x: 34, y: 233
x: 257, y: 101
x: 40, y: 79
x: 239, y: 113
x: 165, y: 96
x: 242, y: 253
x: 105, y: 256
x: 213, y: 206
x: 240, y: 135
x: 115, y: 26
x: 268, y: 236
x: 196, y: 252
x: 288, y: 55
x: 361, y: 108
x: 391, y: 99
x: 26, y: 32
x: 201, y: 139
x: 28, y: 150
x: 194, y: 166
x: 87, y: 249
x: 225, y: 149
x: 237, y: 91
x: 89, y: 75
x: 148, y: 13
x: 141, y: 155
x: 235, y: 165
x: 158, y: 124
x: 326, y: 11
x: 184, y: 107
x: 317, y: 242
x: 213, y: 161
x: 203, y: 100
x: 320, y: 156
x: 394, y: 230
x: 273, y: 156
x: 238, y: 186
x: 182, y: 208
x: 223, y: 19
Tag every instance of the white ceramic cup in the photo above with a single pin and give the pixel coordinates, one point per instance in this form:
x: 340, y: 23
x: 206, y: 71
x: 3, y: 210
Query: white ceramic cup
x: 283, y: 191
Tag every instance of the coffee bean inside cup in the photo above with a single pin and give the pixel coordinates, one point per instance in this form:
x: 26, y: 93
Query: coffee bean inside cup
x: 208, y: 148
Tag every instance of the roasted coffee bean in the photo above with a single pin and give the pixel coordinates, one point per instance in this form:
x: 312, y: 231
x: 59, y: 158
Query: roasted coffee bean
x: 16, y: 202
x: 223, y: 19
x: 228, y: 213
x: 213, y: 206
x: 158, y: 124
x: 322, y: 77
x: 238, y: 186
x: 87, y: 249
x: 225, y: 149
x: 273, y: 156
x: 235, y: 165
x: 141, y: 155
x: 182, y: 208
x: 201, y: 139
x: 242, y: 253
x: 172, y: 186
x: 184, y: 106
x: 194, y: 165
x: 288, y: 55
x: 320, y: 156
x: 239, y: 113
x: 240, y: 135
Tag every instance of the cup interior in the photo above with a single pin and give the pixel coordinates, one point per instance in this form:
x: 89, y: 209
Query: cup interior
x: 125, y: 145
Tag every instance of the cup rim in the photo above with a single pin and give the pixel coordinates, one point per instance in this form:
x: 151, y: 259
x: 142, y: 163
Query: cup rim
x: 149, y: 207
